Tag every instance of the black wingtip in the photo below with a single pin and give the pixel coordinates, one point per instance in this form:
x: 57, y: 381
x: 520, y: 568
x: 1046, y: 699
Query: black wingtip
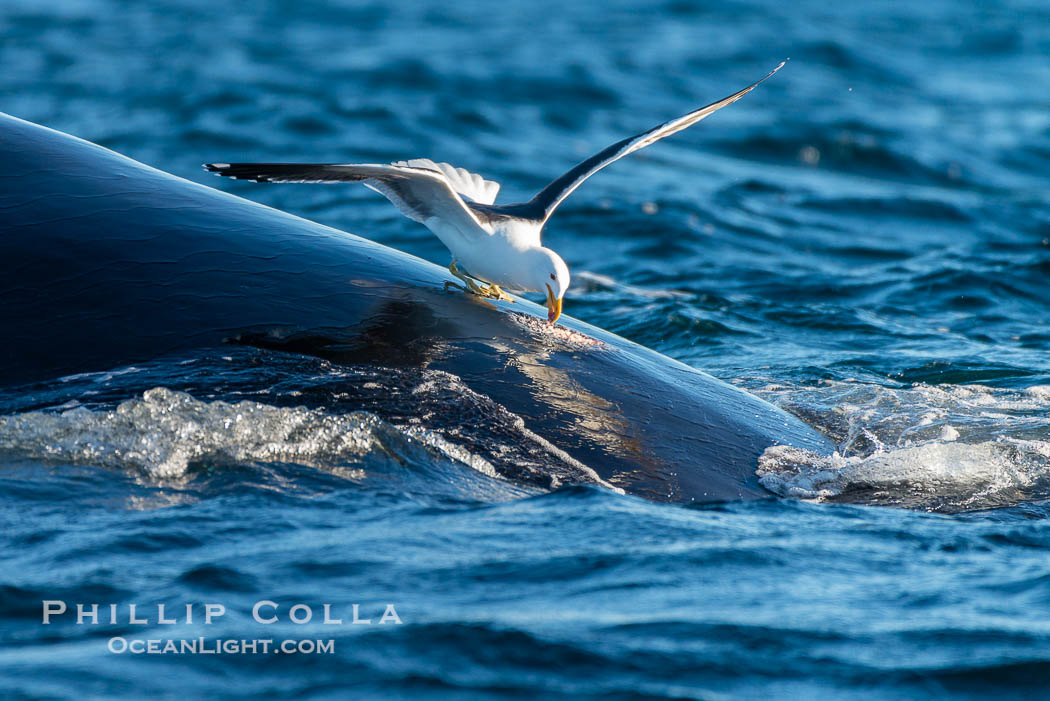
x: 237, y: 171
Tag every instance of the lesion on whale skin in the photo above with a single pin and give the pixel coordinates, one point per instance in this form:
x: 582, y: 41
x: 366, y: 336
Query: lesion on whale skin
x: 541, y: 328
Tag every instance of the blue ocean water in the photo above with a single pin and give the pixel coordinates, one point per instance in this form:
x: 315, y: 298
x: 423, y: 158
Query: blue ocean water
x: 864, y: 241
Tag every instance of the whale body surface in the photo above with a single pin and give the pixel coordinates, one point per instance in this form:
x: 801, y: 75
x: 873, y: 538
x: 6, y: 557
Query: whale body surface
x: 106, y: 261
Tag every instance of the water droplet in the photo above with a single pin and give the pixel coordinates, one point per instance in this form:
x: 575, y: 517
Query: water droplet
x: 810, y: 155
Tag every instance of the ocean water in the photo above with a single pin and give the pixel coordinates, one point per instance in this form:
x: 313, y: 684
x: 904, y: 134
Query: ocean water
x: 863, y: 241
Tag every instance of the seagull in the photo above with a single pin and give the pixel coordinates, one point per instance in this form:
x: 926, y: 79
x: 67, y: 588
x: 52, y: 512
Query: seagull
x: 496, y: 245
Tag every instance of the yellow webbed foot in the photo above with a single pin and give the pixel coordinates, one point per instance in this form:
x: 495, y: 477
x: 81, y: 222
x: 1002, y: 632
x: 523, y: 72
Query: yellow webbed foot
x: 495, y: 292
x: 488, y: 291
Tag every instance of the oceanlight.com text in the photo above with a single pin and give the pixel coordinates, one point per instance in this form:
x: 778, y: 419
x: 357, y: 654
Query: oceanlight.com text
x: 219, y: 646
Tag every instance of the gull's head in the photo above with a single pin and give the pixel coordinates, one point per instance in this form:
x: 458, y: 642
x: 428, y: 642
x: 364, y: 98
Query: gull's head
x: 548, y: 273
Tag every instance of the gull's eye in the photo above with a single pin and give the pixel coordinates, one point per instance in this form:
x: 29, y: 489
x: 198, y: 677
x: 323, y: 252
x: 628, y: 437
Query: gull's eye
x: 552, y: 277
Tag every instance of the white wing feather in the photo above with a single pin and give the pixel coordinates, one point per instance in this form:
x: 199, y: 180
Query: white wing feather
x: 462, y: 180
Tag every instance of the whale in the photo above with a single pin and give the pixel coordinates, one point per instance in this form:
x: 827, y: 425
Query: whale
x: 105, y: 261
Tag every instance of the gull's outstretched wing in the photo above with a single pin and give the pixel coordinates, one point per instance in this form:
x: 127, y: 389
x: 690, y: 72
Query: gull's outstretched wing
x: 543, y: 205
x: 421, y: 193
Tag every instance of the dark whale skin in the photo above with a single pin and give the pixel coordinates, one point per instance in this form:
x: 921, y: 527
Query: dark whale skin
x: 105, y: 261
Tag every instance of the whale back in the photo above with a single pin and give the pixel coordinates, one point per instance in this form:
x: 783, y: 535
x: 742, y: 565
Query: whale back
x: 105, y: 261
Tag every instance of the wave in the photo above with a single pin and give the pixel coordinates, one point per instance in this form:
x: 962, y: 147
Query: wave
x: 164, y: 433
x: 257, y: 407
x: 936, y: 447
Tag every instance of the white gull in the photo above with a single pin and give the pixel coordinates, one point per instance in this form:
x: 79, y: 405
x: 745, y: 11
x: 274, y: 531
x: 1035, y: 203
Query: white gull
x: 498, y: 245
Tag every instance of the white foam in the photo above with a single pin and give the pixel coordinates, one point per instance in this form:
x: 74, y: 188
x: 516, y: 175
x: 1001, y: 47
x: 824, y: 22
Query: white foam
x: 946, y: 447
x: 1040, y: 392
x: 941, y: 475
x: 162, y: 433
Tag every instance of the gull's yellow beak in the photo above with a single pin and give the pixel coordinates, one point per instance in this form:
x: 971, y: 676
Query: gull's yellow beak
x: 553, y: 306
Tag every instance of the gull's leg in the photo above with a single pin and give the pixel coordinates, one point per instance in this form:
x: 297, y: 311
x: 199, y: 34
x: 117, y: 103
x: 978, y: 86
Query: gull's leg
x: 455, y: 271
x: 471, y: 286
x: 489, y: 291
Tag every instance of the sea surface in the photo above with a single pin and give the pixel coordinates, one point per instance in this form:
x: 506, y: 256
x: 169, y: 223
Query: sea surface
x: 864, y: 241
